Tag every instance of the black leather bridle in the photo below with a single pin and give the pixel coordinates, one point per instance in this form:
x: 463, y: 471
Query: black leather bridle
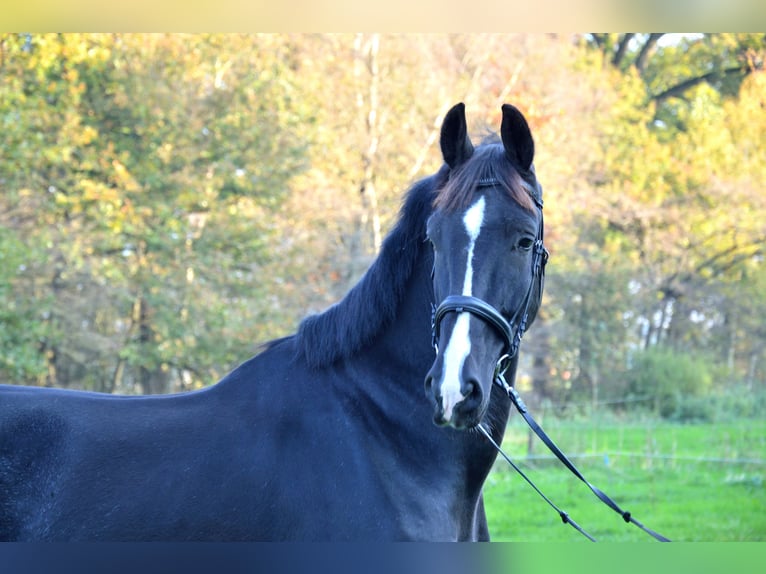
x: 511, y: 331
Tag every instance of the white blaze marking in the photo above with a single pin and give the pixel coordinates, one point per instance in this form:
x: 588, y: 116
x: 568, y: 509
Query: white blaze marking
x: 459, y: 345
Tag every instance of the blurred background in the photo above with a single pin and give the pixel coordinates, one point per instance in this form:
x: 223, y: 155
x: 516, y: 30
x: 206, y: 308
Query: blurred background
x: 169, y: 202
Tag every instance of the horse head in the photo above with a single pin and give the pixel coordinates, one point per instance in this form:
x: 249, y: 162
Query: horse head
x: 486, y: 230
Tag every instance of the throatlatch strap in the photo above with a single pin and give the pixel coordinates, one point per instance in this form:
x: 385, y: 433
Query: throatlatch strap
x: 522, y: 408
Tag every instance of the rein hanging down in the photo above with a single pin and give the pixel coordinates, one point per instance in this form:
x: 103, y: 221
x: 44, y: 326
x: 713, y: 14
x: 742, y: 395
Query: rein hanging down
x: 603, y: 497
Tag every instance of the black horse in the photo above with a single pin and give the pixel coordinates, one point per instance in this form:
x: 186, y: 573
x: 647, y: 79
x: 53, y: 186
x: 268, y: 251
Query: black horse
x: 326, y: 434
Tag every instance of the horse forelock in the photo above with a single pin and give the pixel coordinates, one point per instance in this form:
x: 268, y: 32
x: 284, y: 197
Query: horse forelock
x: 488, y: 162
x: 353, y: 322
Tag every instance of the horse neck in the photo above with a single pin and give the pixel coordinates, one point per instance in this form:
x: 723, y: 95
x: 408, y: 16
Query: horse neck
x: 402, y: 354
x: 406, y: 341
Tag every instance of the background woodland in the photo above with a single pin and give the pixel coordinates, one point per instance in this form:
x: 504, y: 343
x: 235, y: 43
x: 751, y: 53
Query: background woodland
x: 170, y: 202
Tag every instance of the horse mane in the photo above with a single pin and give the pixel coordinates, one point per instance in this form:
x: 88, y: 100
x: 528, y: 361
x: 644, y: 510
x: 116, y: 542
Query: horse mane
x: 352, y: 323
x: 488, y: 162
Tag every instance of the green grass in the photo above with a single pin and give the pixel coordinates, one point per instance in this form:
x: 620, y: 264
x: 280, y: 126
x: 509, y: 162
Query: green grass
x: 694, y: 482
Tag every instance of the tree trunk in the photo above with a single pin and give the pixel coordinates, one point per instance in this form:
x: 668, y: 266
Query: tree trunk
x: 367, y: 56
x: 540, y: 349
x: 585, y: 348
x: 752, y: 368
x: 156, y: 381
x: 135, y: 320
x: 622, y: 49
x: 646, y: 49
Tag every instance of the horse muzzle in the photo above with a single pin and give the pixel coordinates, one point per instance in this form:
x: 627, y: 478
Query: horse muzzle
x: 454, y: 383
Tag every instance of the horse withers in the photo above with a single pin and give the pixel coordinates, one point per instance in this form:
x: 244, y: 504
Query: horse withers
x: 326, y: 434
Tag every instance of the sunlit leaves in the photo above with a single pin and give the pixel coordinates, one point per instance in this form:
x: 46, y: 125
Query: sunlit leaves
x: 146, y: 166
x: 171, y: 200
x: 681, y: 193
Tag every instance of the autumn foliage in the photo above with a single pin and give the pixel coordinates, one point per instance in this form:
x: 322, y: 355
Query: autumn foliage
x: 169, y: 202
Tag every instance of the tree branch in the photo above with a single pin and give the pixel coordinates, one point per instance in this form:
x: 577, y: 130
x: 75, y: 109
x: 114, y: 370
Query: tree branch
x: 599, y: 39
x: 717, y: 266
x: 678, y: 90
x: 622, y: 49
x: 643, y: 55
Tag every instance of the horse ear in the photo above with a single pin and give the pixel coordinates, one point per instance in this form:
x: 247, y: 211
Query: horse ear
x: 455, y: 143
x: 517, y: 138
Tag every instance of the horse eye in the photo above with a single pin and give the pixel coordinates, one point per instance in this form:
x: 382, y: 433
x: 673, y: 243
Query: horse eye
x: 525, y: 243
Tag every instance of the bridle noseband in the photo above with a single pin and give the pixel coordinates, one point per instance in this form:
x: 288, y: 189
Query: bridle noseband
x: 511, y: 331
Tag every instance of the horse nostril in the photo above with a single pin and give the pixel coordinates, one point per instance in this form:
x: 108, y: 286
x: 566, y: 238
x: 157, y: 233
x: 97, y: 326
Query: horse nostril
x: 439, y: 419
x: 432, y: 389
x: 472, y: 393
x: 429, y: 383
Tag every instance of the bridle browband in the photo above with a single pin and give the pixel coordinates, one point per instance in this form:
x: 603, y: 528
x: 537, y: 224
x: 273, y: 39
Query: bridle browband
x: 511, y: 333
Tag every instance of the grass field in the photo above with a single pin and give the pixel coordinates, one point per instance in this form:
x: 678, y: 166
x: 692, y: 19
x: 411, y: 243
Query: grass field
x: 693, y: 482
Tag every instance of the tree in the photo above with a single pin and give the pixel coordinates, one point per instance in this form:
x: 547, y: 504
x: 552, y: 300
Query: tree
x: 684, y: 208
x: 150, y: 178
x: 171, y: 200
